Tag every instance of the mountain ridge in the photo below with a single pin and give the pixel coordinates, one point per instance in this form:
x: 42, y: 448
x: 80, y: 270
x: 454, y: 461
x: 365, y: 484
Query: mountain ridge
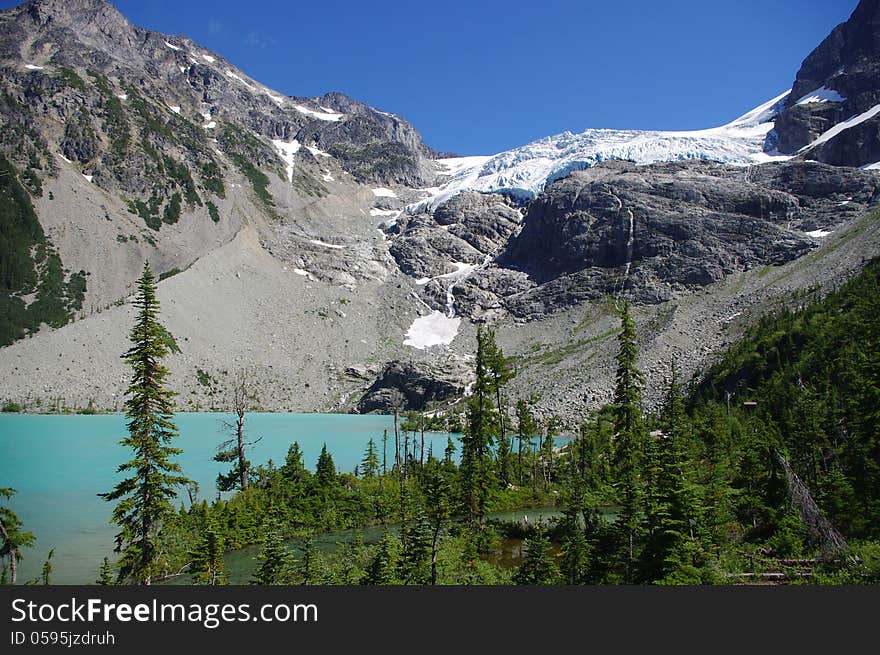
x: 312, y: 243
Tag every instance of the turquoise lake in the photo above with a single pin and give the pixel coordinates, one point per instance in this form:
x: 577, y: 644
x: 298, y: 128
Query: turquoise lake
x: 59, y: 463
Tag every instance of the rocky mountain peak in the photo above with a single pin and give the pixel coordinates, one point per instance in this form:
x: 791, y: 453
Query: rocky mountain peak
x: 855, y: 43
x: 838, y: 81
x: 94, y: 15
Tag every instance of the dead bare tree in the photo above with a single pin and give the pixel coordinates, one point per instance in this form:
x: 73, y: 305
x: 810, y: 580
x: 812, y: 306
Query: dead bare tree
x: 233, y: 450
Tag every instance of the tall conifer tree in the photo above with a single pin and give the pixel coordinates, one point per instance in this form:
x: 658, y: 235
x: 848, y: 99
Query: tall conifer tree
x: 630, y: 442
x: 144, y: 497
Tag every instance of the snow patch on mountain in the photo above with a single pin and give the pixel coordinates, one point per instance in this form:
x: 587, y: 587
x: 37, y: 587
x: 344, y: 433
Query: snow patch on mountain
x: 317, y: 153
x: 435, y: 329
x: 382, y: 192
x: 239, y: 79
x: 320, y: 115
x: 822, y: 94
x: 286, y: 151
x: 829, y: 134
x: 326, y: 245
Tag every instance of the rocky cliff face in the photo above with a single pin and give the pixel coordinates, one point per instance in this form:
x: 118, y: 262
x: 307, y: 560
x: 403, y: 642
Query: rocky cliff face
x: 407, y: 386
x: 838, y: 81
x: 644, y: 233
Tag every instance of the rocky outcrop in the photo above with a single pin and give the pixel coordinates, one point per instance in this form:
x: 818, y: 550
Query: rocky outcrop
x: 845, y: 69
x: 407, y: 386
x: 467, y: 230
x: 648, y: 233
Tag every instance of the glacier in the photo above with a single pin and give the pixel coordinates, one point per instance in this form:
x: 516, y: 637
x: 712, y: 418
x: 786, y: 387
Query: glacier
x: 525, y: 171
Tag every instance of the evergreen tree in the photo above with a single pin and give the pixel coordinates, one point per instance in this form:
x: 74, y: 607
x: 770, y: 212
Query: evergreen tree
x: 415, y: 560
x: 293, y: 470
x: 106, y: 576
x: 482, y: 424
x: 630, y: 443
x: 370, y: 463
x: 207, y: 566
x: 275, y: 561
x: 538, y: 566
x: 449, y: 452
x: 308, y: 565
x: 381, y: 568
x: 438, y: 504
x: 674, y: 520
x: 13, y: 537
x: 46, y: 572
x: 575, y: 562
x: 526, y: 427
x: 145, y: 496
x: 499, y: 374
x: 325, y: 471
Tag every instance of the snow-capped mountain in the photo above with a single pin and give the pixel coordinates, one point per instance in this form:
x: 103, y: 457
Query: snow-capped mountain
x: 527, y: 170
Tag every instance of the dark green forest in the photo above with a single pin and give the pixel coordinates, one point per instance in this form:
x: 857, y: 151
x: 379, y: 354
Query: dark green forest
x: 764, y: 469
x: 34, y: 287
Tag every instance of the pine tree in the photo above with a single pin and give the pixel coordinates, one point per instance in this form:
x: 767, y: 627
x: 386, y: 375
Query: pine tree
x: 207, y: 565
x: 575, y: 549
x: 538, y: 566
x: 415, y: 560
x: 482, y: 425
x: 526, y: 427
x: 325, y: 471
x: 381, y: 568
x: 630, y: 443
x: 674, y: 516
x: 145, y: 496
x: 293, y: 470
x: 13, y: 537
x: 307, y: 567
x: 499, y: 374
x: 438, y: 503
x: 46, y: 572
x: 370, y: 463
x: 106, y: 576
x: 275, y: 561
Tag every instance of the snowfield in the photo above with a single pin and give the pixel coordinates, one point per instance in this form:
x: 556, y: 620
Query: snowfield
x: 435, y: 329
x: 286, y: 151
x: 324, y: 115
x: 526, y: 170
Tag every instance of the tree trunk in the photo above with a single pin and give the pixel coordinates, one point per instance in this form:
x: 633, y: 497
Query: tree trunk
x: 13, y: 551
x: 519, y: 460
x: 242, y: 462
x: 434, y: 553
x: 396, y: 442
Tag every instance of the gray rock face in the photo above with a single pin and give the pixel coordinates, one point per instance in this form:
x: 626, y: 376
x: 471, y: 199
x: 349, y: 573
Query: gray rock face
x: 649, y: 232
x: 90, y: 54
x: 847, y: 61
x: 467, y: 229
x: 406, y: 386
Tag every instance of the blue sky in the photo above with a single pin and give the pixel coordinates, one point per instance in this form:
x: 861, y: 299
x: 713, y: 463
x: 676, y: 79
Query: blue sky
x: 478, y: 77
